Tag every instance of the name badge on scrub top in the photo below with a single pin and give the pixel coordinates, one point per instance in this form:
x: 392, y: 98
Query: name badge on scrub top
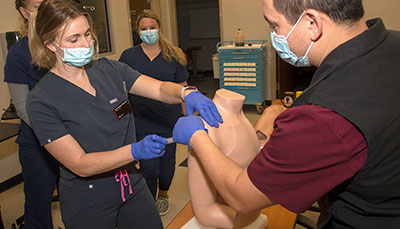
x: 122, y: 109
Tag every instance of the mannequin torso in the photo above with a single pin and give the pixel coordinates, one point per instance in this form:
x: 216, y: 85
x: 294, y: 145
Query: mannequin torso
x: 237, y: 139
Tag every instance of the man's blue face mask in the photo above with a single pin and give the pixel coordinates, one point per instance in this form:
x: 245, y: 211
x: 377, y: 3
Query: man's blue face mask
x: 76, y: 56
x: 150, y: 36
x: 282, y: 48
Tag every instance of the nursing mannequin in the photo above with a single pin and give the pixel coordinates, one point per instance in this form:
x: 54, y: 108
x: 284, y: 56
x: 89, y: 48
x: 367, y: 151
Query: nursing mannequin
x: 237, y: 139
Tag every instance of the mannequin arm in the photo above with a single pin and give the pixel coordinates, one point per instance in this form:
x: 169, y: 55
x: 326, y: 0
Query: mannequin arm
x: 209, y: 208
x: 204, y: 198
x: 265, y: 124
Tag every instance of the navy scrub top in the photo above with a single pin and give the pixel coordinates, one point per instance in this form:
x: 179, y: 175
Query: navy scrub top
x: 57, y: 107
x: 20, y: 70
x: 154, y: 117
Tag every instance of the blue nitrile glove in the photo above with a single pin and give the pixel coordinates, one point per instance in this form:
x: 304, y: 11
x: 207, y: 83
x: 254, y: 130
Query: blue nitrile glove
x: 149, y: 147
x: 185, y: 128
x: 205, y: 106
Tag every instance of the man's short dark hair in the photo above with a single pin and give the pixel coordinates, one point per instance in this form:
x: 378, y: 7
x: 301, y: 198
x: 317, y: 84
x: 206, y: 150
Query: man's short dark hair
x: 19, y: 3
x: 340, y: 11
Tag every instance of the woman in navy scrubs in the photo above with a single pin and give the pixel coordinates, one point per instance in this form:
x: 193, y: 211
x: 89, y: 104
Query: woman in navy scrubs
x: 160, y: 59
x: 39, y: 168
x: 80, y: 113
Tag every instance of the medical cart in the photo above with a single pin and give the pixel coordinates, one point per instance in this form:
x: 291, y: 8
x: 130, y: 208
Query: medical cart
x: 242, y: 69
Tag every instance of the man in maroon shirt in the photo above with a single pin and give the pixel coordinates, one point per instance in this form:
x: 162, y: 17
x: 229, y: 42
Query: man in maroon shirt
x: 317, y: 150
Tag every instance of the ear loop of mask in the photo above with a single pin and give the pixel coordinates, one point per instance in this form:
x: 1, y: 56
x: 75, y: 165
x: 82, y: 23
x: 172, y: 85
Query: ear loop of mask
x: 297, y: 22
x: 291, y: 31
x: 59, y: 48
x: 309, y: 49
x: 27, y: 11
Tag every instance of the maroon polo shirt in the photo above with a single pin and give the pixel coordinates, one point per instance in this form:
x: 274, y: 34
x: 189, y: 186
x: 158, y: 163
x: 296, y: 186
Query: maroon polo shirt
x: 312, y: 150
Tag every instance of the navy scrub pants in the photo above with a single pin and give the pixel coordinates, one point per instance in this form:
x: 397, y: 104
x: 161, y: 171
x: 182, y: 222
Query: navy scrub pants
x: 159, y: 170
x: 40, y: 171
x: 98, y: 203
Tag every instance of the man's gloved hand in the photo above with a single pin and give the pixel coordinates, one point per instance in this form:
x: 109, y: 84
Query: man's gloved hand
x: 185, y: 128
x: 149, y: 147
x: 205, y: 106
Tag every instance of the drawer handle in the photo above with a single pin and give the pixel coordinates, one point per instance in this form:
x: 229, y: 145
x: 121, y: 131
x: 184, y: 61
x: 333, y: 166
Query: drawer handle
x: 238, y: 58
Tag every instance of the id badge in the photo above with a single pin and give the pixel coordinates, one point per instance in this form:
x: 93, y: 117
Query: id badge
x: 122, y: 109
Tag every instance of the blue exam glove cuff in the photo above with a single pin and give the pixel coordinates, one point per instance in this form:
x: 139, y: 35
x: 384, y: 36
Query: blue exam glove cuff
x: 191, y: 94
x: 133, y: 152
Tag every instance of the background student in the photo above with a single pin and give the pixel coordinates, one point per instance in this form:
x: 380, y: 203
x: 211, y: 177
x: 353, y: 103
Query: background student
x: 39, y: 168
x: 160, y: 59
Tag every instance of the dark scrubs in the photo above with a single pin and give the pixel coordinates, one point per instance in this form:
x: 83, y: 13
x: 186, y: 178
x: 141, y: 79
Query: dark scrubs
x: 154, y: 117
x: 57, y: 108
x: 39, y: 168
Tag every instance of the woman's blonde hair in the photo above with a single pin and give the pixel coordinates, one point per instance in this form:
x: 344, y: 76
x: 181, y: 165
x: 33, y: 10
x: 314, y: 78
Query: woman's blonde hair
x: 23, y: 22
x: 168, y: 49
x: 53, y: 17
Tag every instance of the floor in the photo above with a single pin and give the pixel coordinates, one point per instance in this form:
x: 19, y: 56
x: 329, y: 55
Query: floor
x: 12, y: 200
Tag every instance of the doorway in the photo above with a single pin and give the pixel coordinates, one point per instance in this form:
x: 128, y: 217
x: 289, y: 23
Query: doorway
x: 136, y: 7
x: 98, y: 12
x: 198, y: 32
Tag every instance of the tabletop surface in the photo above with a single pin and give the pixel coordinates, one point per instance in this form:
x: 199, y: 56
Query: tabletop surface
x: 8, y: 130
x: 278, y: 217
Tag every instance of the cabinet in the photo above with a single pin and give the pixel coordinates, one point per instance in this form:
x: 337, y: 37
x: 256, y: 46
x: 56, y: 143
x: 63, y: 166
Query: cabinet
x: 243, y: 69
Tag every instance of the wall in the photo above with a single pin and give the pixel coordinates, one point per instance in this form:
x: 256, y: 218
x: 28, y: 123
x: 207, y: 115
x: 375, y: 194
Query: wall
x: 388, y: 10
x: 202, y: 38
x: 246, y: 15
x: 167, y: 12
x: 8, y: 14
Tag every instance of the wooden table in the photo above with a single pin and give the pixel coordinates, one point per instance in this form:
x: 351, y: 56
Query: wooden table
x: 8, y: 130
x: 278, y: 217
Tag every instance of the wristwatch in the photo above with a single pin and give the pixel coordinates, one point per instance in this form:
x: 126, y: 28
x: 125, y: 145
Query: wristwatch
x: 187, y: 88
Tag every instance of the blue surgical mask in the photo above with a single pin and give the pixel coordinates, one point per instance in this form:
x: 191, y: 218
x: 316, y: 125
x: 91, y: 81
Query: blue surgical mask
x: 76, y: 56
x: 282, y: 48
x: 150, y: 36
